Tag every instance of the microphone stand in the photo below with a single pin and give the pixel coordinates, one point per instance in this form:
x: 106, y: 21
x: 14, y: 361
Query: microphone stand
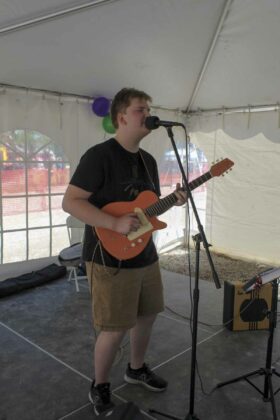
x: 200, y: 237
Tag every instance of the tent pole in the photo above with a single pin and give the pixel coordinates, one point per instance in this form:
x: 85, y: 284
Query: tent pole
x: 52, y: 15
x: 209, y: 54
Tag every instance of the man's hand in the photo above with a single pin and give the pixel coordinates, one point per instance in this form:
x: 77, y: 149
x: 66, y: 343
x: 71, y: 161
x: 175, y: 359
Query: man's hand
x: 181, y: 195
x: 126, y: 224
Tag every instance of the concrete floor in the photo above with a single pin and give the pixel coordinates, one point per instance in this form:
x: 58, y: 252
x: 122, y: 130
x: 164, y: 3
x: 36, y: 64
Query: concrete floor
x: 46, y: 342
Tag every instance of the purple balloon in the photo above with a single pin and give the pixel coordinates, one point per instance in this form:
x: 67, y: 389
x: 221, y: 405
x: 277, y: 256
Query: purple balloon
x: 101, y: 106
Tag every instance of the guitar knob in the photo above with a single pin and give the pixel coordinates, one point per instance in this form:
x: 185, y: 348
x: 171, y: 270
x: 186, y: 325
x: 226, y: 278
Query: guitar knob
x: 133, y: 244
x: 140, y: 240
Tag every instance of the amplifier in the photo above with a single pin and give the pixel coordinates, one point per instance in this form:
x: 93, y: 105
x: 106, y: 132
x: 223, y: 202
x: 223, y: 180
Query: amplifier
x: 125, y: 411
x: 246, y: 311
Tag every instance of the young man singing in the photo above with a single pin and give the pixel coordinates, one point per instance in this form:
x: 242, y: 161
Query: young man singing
x: 127, y: 294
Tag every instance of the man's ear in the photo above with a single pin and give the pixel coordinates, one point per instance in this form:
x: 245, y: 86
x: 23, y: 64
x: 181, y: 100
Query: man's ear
x: 121, y: 119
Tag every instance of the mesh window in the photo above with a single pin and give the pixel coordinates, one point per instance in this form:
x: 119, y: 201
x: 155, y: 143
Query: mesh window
x: 34, y: 174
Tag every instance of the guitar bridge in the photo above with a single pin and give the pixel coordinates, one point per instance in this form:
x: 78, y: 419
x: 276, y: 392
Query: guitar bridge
x: 145, y: 227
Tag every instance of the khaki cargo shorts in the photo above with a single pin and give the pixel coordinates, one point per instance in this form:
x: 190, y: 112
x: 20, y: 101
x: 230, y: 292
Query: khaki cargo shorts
x: 117, y: 300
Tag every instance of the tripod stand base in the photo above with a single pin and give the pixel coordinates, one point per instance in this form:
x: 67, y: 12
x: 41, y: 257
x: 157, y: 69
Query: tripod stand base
x: 168, y: 416
x: 240, y: 378
x: 192, y: 417
x: 268, y: 393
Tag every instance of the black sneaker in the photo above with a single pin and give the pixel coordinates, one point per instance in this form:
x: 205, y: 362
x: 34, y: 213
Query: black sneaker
x: 100, y: 397
x: 146, y: 377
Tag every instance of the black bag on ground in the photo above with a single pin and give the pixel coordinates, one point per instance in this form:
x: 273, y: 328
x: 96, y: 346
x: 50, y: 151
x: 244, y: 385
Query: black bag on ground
x: 33, y: 279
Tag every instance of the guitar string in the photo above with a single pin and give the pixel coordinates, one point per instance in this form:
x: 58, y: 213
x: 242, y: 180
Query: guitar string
x: 160, y: 206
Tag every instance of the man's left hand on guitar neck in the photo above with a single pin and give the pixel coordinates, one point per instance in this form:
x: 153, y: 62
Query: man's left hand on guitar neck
x: 181, y: 195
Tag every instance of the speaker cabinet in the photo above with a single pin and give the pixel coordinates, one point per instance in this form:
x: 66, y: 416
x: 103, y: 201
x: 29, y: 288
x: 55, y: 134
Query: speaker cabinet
x: 126, y: 411
x: 246, y: 311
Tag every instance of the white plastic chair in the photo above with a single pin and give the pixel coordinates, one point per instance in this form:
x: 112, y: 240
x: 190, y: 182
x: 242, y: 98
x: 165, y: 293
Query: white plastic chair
x: 72, y: 257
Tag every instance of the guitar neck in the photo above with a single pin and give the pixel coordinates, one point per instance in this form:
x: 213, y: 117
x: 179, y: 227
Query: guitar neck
x: 167, y: 202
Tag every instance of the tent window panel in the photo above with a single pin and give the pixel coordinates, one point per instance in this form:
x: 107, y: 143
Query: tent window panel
x: 58, y: 215
x: 198, y: 165
x: 39, y: 243
x: 13, y: 178
x: 60, y: 175
x: 170, y: 175
x: 14, y: 248
x: 34, y: 174
x: 60, y: 239
x: 37, y: 145
x: 14, y: 213
x: 38, y: 177
x: 38, y: 211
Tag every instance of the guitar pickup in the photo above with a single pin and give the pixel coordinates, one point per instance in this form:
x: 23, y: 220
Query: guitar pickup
x: 145, y: 226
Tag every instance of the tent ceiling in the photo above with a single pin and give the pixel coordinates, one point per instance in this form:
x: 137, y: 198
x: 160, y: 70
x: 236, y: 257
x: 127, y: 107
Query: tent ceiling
x: 156, y: 45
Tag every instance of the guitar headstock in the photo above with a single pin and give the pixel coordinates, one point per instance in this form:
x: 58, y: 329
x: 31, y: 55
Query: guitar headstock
x: 221, y: 167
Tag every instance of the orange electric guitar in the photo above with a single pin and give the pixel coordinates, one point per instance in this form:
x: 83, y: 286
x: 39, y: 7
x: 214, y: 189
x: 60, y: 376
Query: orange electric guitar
x: 147, y: 206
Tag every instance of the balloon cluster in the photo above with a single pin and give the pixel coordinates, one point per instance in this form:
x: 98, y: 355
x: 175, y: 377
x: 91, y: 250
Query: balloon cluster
x: 101, y: 108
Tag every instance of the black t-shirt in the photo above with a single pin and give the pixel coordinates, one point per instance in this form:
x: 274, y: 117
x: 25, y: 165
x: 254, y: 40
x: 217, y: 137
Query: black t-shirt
x: 111, y: 174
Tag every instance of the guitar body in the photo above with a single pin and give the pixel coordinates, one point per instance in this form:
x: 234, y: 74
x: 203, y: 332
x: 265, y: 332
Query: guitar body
x: 119, y: 245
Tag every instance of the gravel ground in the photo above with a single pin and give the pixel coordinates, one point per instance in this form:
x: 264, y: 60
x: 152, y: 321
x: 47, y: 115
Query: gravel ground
x: 227, y: 268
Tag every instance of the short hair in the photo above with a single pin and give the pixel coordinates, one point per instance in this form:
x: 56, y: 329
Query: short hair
x: 122, y: 100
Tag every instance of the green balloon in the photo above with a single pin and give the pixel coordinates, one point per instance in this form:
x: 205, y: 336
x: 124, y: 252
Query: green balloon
x: 108, y: 125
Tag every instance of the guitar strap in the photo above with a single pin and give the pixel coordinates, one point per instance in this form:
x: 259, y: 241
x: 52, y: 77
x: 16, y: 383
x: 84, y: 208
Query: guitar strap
x: 101, y: 249
x: 147, y: 170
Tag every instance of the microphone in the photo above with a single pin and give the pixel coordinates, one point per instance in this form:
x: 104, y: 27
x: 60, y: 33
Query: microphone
x: 261, y: 279
x: 154, y: 122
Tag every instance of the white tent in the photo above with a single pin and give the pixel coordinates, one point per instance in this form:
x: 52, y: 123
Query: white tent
x: 211, y: 63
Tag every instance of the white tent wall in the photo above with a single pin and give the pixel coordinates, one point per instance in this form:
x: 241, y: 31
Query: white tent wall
x: 243, y: 217
x: 70, y: 122
x: 66, y: 120
x: 242, y: 214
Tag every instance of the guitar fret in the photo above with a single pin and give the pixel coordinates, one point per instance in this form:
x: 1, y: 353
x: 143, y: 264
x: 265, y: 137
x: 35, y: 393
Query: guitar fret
x: 167, y: 202
x: 198, y: 181
x: 172, y: 198
x: 161, y: 206
x: 152, y: 210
